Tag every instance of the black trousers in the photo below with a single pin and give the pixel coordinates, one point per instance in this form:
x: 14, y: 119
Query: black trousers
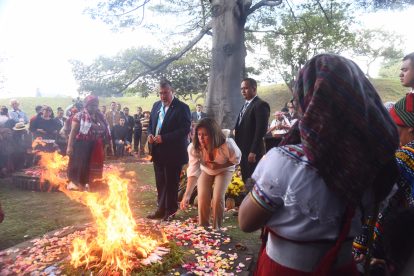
x: 137, y: 139
x: 167, y: 178
x: 247, y: 168
x: 129, y: 136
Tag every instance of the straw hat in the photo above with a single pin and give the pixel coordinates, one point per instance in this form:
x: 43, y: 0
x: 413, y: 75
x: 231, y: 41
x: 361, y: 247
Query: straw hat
x: 20, y: 126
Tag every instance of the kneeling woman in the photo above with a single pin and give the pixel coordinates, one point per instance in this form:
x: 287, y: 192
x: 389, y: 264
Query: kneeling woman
x: 212, y: 160
x: 85, y: 145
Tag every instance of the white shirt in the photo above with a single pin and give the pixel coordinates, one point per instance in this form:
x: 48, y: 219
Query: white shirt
x: 276, y: 122
x: 226, y: 152
x: 303, y: 207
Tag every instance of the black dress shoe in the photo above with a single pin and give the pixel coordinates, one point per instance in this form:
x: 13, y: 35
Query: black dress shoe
x: 157, y: 215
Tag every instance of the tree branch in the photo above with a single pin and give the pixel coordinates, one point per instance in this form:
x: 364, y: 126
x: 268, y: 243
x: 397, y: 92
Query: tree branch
x: 324, y: 13
x: 203, y: 11
x: 294, y: 16
x: 163, y: 64
x: 274, y: 32
x: 258, y: 5
x: 134, y: 9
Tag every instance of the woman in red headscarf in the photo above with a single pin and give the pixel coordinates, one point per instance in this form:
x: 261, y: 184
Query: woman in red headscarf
x: 88, y: 134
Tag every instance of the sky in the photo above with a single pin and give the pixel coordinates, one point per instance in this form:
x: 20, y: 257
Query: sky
x: 38, y: 38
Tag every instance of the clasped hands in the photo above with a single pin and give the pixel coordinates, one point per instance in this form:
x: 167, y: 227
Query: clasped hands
x: 211, y: 165
x: 154, y: 139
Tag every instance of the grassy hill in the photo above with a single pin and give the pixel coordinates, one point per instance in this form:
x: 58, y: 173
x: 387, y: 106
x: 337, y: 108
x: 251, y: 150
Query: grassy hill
x: 276, y: 95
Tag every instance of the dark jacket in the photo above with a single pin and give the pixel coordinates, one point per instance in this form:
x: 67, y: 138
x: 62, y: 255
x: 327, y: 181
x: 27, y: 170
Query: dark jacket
x: 120, y: 132
x: 174, y: 133
x: 194, y: 117
x: 129, y: 122
x: 252, y: 128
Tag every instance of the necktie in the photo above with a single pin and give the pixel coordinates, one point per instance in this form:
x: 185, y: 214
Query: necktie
x: 161, y: 115
x: 243, y: 110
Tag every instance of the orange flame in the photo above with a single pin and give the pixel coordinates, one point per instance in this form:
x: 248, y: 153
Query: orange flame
x: 38, y: 141
x: 117, y: 245
x: 117, y: 240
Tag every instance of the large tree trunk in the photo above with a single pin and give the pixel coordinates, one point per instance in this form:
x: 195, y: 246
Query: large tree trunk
x: 224, y: 99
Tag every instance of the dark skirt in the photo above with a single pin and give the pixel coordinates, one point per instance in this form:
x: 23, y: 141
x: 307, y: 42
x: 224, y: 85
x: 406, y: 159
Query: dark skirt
x: 86, y: 163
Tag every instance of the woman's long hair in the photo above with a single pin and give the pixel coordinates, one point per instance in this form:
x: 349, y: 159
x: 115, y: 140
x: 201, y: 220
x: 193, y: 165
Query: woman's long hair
x: 213, y: 129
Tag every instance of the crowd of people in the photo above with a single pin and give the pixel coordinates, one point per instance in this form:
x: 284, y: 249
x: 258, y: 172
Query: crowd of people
x: 329, y: 180
x: 17, y: 132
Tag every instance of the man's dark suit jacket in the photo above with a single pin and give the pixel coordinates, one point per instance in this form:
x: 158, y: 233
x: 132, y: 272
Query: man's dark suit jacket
x: 174, y: 133
x: 129, y: 122
x: 252, y: 128
x: 194, y: 118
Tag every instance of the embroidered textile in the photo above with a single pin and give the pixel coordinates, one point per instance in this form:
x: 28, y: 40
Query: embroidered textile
x: 402, y: 198
x: 403, y: 111
x: 345, y: 129
x: 90, y: 130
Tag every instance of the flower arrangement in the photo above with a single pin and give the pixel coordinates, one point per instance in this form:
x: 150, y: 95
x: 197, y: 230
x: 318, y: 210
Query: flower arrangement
x: 236, y: 186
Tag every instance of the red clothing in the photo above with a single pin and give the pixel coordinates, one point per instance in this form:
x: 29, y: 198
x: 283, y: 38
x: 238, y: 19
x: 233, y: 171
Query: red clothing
x: 266, y: 266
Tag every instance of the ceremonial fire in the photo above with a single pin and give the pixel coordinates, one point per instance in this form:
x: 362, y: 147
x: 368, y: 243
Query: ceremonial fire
x: 117, y: 245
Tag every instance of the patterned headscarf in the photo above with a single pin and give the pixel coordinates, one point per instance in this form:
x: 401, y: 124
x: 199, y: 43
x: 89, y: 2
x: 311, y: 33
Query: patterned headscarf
x: 345, y: 130
x: 403, y: 111
x: 90, y: 99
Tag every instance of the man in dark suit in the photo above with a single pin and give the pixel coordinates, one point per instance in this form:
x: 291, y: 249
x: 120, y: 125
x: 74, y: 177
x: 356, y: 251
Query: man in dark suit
x: 137, y: 128
x: 251, y: 127
x: 168, y: 129
x: 60, y: 119
x: 129, y: 123
x: 198, y: 114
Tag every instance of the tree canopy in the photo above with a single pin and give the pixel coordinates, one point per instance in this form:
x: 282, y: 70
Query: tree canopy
x: 290, y: 33
x: 306, y: 32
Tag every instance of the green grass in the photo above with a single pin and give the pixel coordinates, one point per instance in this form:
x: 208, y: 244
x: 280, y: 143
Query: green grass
x: 389, y: 89
x: 276, y: 95
x: 30, y: 214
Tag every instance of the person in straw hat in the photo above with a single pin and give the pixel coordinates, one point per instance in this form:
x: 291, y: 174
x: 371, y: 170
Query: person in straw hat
x: 22, y: 148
